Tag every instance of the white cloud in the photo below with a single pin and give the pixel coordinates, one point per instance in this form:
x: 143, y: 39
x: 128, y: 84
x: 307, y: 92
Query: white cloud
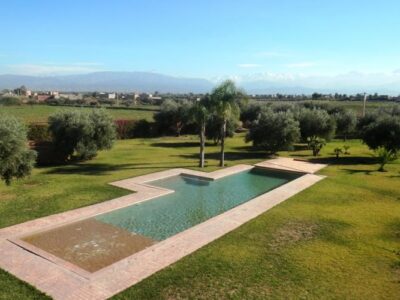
x: 304, y: 64
x: 248, y: 66
x: 55, y: 69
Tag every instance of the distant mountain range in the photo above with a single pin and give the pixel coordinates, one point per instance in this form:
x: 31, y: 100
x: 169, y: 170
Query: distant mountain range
x: 109, y: 82
x: 150, y: 82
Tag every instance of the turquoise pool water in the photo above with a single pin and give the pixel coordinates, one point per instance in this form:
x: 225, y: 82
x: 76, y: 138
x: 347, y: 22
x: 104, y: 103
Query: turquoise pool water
x: 194, y: 201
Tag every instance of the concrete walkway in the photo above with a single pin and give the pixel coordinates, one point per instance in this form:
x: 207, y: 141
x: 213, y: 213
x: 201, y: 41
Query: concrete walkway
x: 62, y: 280
x: 291, y: 164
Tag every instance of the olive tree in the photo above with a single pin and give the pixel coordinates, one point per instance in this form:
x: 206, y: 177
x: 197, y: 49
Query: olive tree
x: 384, y: 132
x: 346, y: 122
x: 274, y: 131
x: 316, y: 126
x: 316, y: 123
x: 383, y: 136
x: 173, y: 116
x: 16, y: 159
x: 80, y: 134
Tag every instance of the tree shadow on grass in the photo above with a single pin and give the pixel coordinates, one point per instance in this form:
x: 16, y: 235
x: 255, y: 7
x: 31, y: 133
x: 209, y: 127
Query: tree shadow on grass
x: 359, y: 171
x: 229, y: 156
x: 106, y: 169
x: 294, y: 155
x: 179, y: 144
x: 248, y: 149
x: 345, y: 160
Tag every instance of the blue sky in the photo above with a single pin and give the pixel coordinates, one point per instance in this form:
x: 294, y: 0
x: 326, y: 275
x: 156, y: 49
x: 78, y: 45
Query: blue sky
x: 252, y: 39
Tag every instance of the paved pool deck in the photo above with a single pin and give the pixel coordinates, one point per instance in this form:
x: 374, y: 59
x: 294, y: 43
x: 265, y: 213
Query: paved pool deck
x: 62, y: 280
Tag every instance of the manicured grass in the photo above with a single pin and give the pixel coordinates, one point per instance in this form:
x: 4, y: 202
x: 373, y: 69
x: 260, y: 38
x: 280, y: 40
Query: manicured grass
x: 40, y: 113
x: 339, y: 239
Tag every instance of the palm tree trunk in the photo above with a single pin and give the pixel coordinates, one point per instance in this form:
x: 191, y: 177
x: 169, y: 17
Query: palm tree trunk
x: 202, y: 144
x: 222, y: 158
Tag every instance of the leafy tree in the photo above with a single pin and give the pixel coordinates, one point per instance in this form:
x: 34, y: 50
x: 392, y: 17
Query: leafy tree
x: 80, y: 134
x: 173, y: 116
x: 346, y: 122
x: 250, y: 113
x: 16, y: 159
x: 316, y: 96
x: 316, y: 123
x: 384, y: 132
x: 366, y: 120
x: 225, y: 100
x: 200, y: 113
x: 274, y: 131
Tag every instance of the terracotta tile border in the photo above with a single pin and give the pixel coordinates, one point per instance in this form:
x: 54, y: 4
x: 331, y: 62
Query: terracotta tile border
x: 63, y: 280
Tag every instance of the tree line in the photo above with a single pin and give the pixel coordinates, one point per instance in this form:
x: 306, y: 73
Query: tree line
x: 79, y: 135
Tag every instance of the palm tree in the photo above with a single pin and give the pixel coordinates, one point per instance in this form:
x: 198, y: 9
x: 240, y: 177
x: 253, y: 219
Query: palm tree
x: 200, y: 114
x: 225, y: 103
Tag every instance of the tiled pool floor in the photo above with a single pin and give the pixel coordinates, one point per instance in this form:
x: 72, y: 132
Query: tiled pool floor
x: 89, y: 244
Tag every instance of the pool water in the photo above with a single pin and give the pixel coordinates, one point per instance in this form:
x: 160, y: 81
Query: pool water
x: 194, y: 201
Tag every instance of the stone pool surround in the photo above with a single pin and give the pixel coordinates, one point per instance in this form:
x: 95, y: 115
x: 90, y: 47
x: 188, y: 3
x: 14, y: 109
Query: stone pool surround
x: 62, y: 280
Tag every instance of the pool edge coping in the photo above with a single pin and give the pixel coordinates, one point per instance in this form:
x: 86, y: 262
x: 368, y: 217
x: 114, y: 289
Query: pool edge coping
x: 132, y: 269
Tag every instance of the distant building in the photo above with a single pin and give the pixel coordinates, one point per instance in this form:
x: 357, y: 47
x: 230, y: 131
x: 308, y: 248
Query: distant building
x: 43, y: 98
x: 69, y: 96
x: 109, y: 96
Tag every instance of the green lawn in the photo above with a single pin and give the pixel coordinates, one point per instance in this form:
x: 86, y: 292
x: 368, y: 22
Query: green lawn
x: 40, y: 113
x: 339, y: 239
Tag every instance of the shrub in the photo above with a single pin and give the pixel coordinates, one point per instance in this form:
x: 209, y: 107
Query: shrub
x: 142, y: 129
x: 10, y: 100
x: 124, y: 128
x: 274, y: 132
x: 338, y: 151
x: 16, y: 159
x: 385, y: 156
x: 80, y: 134
x: 315, y: 144
x: 39, y: 132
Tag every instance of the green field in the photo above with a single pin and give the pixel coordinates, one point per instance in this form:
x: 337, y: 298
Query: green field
x: 339, y: 239
x: 40, y: 113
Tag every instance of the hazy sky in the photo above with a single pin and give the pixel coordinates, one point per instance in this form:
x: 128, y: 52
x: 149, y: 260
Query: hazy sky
x: 279, y: 40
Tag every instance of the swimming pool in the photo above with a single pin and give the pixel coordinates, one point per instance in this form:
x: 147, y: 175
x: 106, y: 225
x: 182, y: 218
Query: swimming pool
x: 195, y: 200
x: 97, y: 242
